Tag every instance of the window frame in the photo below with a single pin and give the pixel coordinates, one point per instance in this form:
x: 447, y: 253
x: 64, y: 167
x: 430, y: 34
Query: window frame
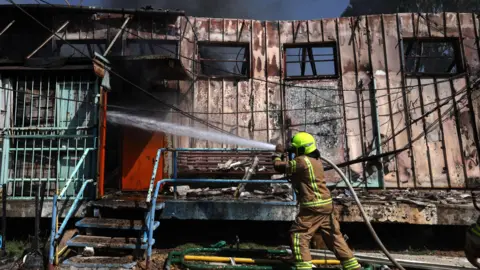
x: 248, y: 61
x: 311, y: 45
x: 457, y: 54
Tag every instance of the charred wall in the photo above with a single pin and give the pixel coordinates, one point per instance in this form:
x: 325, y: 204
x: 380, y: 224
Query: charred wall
x: 424, y: 120
x: 428, y: 123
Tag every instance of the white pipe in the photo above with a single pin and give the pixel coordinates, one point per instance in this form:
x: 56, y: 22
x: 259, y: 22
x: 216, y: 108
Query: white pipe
x: 364, y: 215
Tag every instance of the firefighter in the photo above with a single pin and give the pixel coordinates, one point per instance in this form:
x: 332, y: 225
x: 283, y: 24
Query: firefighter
x: 316, y: 208
x: 472, y: 244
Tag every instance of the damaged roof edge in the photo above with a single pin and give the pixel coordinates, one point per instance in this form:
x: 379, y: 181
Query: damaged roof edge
x: 91, y: 9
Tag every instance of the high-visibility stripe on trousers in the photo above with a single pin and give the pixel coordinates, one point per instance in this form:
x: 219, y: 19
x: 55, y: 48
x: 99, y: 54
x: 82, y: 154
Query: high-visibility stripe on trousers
x: 351, y: 264
x: 304, y: 265
x: 315, y: 221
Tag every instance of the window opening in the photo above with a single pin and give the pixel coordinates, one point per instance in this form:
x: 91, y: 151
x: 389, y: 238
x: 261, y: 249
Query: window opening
x: 310, y: 61
x: 221, y: 60
x: 432, y: 57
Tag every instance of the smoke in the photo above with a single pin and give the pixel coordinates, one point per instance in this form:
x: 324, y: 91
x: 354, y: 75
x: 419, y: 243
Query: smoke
x: 238, y: 9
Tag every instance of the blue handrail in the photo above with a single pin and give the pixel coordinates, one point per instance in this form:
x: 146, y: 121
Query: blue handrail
x: 151, y: 215
x: 54, y: 235
x: 51, y: 253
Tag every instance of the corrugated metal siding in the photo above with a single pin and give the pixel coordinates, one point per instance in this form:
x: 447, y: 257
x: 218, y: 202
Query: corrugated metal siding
x: 440, y: 156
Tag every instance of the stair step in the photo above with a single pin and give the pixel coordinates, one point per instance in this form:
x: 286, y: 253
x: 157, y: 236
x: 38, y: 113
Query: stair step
x: 111, y: 223
x: 100, y: 262
x: 107, y: 242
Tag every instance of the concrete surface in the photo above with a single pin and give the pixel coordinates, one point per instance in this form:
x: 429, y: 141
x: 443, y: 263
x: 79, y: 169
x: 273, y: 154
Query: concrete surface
x: 26, y: 208
x: 429, y: 214
x: 396, y: 212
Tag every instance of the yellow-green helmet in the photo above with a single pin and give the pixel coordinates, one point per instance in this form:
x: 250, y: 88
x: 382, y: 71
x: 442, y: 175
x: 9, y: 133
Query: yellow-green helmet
x: 303, y: 143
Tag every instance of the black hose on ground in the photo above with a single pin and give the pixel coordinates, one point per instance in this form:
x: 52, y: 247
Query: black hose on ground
x: 364, y: 215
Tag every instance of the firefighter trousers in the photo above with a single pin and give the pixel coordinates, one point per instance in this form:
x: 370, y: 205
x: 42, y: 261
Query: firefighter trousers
x: 319, y: 221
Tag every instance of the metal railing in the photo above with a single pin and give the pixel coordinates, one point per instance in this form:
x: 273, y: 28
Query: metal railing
x: 154, y: 189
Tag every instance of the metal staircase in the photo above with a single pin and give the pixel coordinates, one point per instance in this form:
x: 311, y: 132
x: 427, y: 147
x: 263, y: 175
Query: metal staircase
x: 120, y: 234
x: 110, y: 234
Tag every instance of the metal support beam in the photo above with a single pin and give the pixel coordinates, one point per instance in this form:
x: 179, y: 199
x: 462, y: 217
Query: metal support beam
x: 377, y: 133
x: 48, y: 39
x: 116, y: 36
x: 6, y: 139
x: 7, y: 27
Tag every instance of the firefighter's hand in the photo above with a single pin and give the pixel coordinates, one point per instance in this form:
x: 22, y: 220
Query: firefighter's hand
x: 279, y: 148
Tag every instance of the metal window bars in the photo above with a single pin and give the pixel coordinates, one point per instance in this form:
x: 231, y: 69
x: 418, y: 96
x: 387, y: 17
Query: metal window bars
x: 48, y: 133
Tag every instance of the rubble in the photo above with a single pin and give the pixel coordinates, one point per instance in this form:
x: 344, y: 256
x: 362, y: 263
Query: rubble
x: 181, y: 190
x: 408, y: 196
x: 283, y: 192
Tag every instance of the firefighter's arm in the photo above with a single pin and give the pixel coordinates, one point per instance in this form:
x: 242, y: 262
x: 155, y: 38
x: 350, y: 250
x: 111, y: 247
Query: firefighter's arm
x: 279, y: 163
x: 283, y: 166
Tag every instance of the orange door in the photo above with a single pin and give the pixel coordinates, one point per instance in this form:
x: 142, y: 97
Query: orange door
x: 139, y: 151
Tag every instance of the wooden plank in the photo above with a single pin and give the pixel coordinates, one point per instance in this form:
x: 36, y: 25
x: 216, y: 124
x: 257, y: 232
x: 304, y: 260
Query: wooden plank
x: 202, y: 29
x: 329, y: 33
x: 452, y: 147
x: 274, y: 89
x: 435, y: 24
x: 450, y: 26
x: 469, y: 40
x: 397, y: 134
x: 245, y: 110
x: 300, y: 31
x: 215, y: 107
x: 315, y: 30
x: 259, y: 94
x: 230, y: 111
x: 216, y: 30
x: 187, y: 46
x: 434, y: 136
x: 201, y: 107
x: 230, y: 27
x: 422, y: 169
x: 350, y: 97
x: 244, y: 31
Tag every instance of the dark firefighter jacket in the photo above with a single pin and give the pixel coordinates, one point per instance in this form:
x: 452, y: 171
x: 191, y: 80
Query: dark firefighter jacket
x: 307, y: 179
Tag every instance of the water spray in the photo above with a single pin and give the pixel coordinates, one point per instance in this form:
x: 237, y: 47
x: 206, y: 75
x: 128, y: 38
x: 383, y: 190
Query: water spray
x: 152, y: 124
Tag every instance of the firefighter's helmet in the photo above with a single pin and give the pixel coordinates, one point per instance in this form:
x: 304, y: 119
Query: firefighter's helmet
x: 303, y: 143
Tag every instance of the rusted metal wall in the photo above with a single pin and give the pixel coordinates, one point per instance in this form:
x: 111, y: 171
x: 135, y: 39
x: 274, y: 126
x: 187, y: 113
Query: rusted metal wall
x: 339, y: 111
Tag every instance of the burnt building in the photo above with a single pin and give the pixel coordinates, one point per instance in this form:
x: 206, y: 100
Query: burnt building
x: 392, y: 98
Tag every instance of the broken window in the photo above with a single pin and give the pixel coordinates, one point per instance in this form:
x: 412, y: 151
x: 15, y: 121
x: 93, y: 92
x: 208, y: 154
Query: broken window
x: 224, y: 60
x: 137, y: 47
x: 310, y: 61
x: 432, y: 57
x: 85, y: 46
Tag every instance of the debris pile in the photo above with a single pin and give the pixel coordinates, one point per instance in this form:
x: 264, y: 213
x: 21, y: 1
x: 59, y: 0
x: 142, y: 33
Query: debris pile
x: 282, y: 192
x: 418, y: 197
x: 249, y: 167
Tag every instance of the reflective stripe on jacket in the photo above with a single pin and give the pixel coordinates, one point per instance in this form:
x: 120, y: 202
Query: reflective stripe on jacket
x: 308, y: 180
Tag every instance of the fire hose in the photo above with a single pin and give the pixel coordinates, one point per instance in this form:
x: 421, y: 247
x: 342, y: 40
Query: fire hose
x: 364, y: 215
